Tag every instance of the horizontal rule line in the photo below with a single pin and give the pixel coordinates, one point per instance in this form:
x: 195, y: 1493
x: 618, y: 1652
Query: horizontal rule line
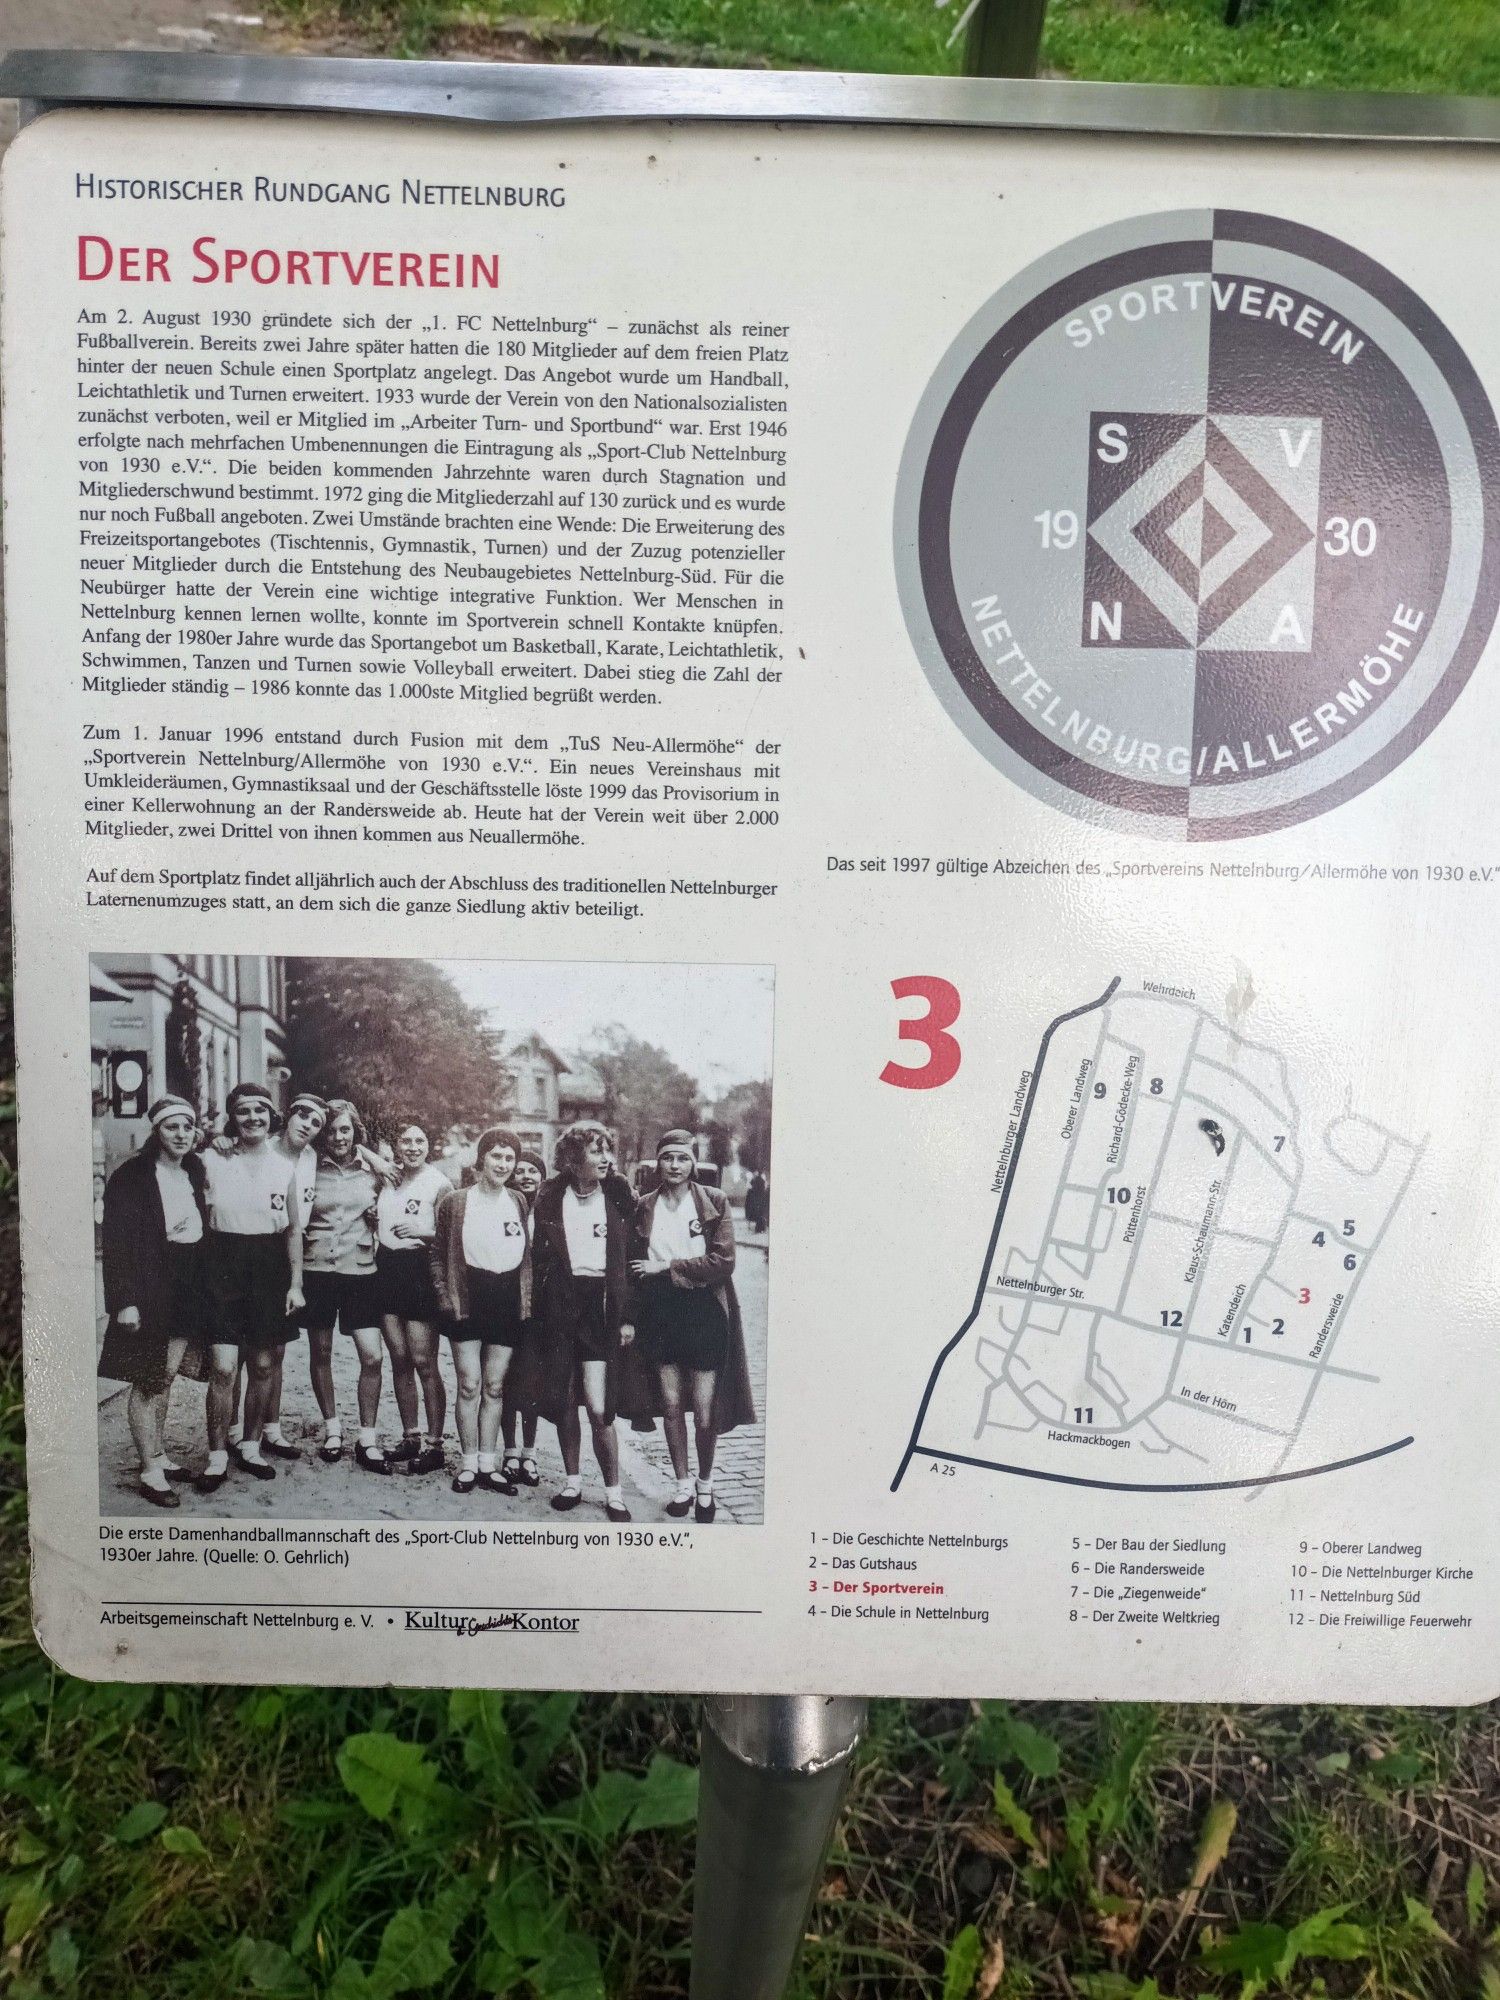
x: 467, y: 1610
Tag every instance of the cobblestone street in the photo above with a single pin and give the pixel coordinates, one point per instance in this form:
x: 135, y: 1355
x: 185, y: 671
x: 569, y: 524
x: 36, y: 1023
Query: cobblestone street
x: 309, y: 1490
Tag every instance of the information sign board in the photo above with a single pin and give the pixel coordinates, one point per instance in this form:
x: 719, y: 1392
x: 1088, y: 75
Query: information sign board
x: 781, y: 836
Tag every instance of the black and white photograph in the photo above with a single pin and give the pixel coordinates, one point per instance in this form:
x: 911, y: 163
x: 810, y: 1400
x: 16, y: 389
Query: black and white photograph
x: 405, y: 1239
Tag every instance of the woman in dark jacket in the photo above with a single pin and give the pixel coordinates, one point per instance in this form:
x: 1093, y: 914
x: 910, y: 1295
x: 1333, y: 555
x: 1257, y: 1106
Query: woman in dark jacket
x: 155, y: 1281
x: 682, y: 1262
x: 580, y: 1241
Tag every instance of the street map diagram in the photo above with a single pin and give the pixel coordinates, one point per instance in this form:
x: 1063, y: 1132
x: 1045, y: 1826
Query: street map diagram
x: 1169, y: 1298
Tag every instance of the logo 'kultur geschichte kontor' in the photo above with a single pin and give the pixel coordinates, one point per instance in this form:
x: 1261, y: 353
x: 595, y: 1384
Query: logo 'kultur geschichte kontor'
x: 1198, y: 528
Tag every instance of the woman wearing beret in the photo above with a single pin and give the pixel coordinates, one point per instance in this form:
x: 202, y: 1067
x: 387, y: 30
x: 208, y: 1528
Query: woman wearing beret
x: 155, y: 1287
x: 682, y: 1262
x: 481, y: 1273
x: 406, y: 1222
x: 254, y: 1275
x: 582, y: 1231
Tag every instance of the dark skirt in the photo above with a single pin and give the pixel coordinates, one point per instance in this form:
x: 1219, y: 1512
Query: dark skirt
x: 139, y: 1354
x: 248, y: 1279
x: 349, y: 1300
x: 494, y: 1309
x: 404, y: 1279
x: 681, y: 1326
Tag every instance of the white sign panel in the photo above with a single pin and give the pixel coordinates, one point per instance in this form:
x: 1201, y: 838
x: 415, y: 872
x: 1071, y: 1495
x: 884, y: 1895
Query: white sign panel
x: 756, y: 882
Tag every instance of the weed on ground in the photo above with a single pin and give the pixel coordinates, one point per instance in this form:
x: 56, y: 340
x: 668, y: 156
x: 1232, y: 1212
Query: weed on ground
x: 187, y: 1843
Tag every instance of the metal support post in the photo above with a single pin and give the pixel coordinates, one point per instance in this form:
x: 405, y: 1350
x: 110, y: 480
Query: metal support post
x: 1005, y: 38
x: 774, y: 1770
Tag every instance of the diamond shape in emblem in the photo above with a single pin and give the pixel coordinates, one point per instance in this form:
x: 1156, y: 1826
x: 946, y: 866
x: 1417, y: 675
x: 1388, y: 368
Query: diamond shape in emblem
x: 1186, y: 532
x: 1215, y: 534
x: 1132, y: 532
x: 1159, y: 532
x: 1257, y: 556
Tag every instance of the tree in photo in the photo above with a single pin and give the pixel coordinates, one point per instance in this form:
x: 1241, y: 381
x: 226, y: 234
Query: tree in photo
x: 396, y: 1037
x: 745, y: 1113
x: 645, y: 1092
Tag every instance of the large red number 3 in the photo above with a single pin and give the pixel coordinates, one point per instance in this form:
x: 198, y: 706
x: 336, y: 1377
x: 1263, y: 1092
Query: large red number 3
x: 930, y: 1029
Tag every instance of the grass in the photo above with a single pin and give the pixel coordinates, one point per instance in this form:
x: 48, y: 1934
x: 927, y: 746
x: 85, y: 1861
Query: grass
x: 179, y: 1843
x: 1407, y: 45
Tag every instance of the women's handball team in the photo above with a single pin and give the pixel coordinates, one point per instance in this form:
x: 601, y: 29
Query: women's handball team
x: 559, y: 1297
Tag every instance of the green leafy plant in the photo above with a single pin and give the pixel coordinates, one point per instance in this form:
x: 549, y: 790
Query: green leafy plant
x: 392, y: 1779
x: 1264, y: 1953
x: 532, y: 1944
x: 961, y: 1966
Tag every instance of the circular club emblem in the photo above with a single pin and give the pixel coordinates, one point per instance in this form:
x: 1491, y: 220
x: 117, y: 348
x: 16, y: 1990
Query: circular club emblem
x: 1197, y: 525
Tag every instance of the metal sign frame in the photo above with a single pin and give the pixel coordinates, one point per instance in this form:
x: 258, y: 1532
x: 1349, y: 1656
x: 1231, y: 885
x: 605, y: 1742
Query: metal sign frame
x: 775, y: 1768
x: 548, y: 93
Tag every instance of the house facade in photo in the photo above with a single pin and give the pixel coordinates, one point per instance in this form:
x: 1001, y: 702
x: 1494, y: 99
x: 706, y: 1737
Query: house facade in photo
x: 193, y: 1026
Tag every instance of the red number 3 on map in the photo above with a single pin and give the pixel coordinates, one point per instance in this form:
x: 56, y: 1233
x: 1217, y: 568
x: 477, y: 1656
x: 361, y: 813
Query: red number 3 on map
x: 930, y: 1029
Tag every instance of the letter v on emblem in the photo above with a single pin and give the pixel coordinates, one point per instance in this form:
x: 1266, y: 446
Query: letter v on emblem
x: 1294, y: 458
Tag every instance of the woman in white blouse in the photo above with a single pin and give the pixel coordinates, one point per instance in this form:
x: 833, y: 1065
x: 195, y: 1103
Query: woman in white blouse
x: 406, y: 1222
x: 255, y: 1277
x: 481, y: 1272
x: 682, y: 1255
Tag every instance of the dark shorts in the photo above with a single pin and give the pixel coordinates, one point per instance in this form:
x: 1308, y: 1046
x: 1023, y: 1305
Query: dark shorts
x: 138, y: 1354
x: 248, y: 1278
x: 494, y: 1310
x: 681, y: 1326
x: 574, y: 1328
x: 404, y: 1279
x: 592, y: 1339
x: 350, y: 1300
